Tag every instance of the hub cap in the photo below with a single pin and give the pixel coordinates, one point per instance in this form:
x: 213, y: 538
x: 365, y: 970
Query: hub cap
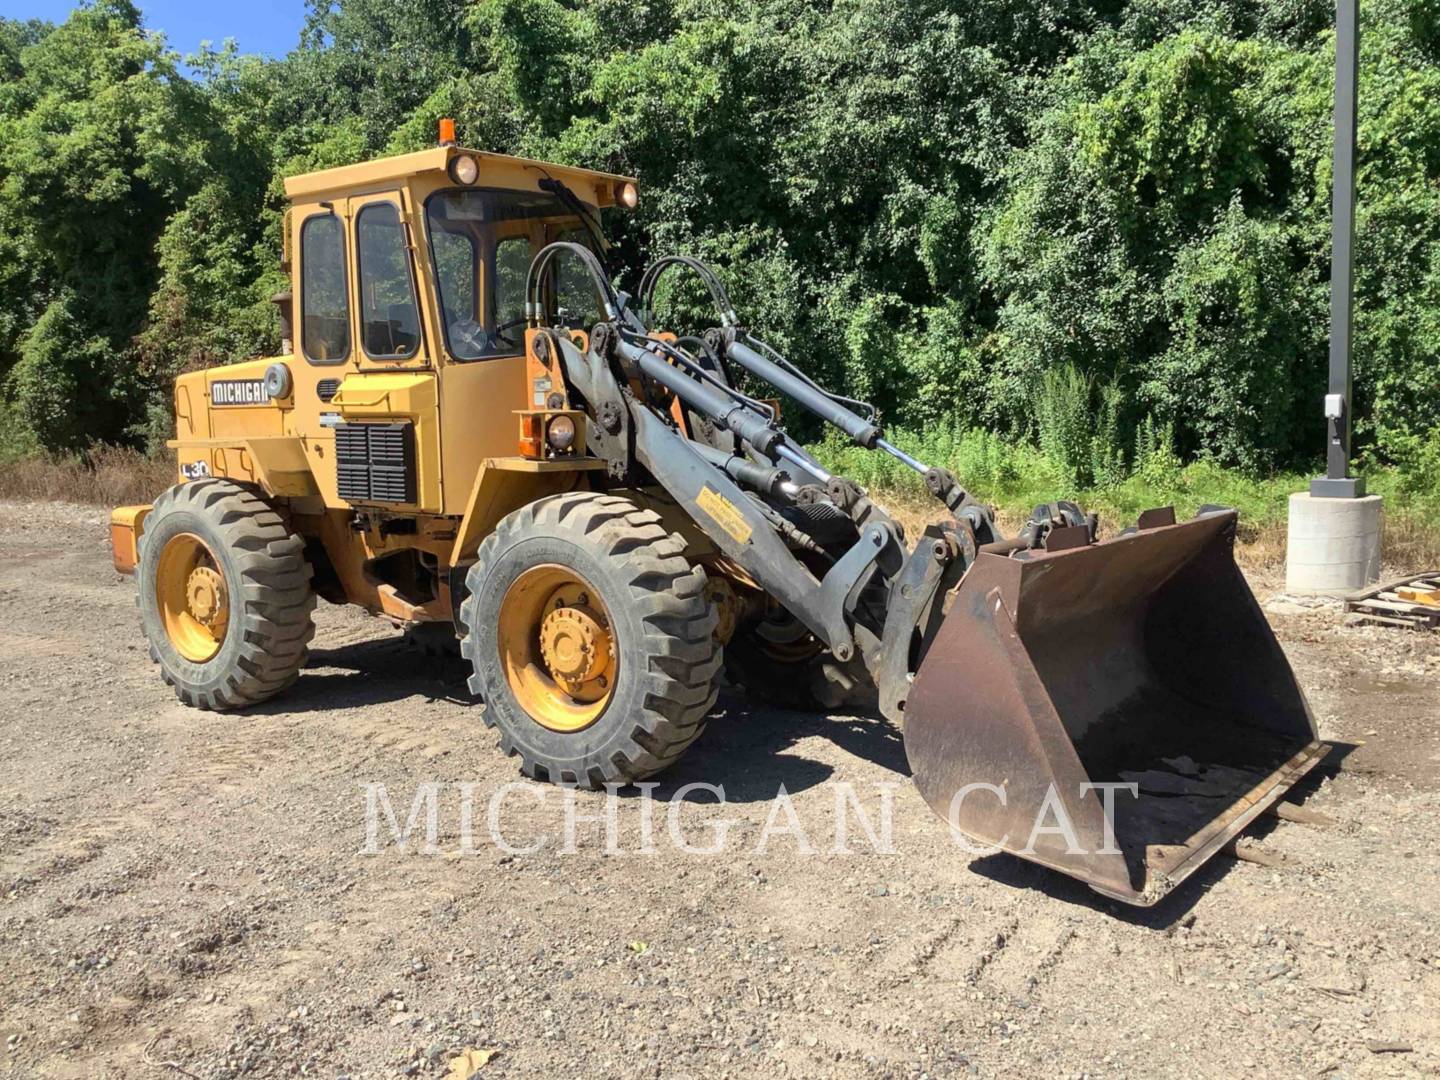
x: 556, y: 648
x: 205, y: 594
x: 192, y: 597
x: 575, y: 647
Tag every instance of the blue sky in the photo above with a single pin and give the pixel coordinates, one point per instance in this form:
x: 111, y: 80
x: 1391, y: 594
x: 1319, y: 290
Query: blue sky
x: 258, y: 26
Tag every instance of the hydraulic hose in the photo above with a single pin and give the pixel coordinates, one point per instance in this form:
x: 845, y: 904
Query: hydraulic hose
x: 535, y: 308
x: 718, y: 295
x: 730, y: 320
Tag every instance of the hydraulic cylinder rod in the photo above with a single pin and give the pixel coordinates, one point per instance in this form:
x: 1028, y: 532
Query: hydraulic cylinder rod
x: 802, y: 462
x: 746, y: 424
x: 902, y: 457
x: 857, y: 427
x: 742, y: 470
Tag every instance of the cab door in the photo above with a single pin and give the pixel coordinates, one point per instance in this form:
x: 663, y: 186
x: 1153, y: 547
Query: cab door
x: 386, y: 410
x: 389, y: 330
x: 480, y: 277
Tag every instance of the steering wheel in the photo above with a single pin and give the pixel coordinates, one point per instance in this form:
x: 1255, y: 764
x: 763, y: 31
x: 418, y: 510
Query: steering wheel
x: 470, y: 336
x: 476, y: 341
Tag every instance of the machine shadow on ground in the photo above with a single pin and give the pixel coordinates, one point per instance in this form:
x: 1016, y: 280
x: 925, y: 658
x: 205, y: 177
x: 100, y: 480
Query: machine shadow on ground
x: 747, y: 748
x: 374, y: 672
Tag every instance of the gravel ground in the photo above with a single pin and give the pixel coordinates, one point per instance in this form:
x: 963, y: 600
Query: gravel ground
x: 189, y: 894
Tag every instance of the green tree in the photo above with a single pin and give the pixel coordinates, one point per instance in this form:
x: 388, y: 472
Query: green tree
x: 942, y: 211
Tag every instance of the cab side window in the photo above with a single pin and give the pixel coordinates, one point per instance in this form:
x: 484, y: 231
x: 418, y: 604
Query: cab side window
x: 512, y: 264
x: 389, y: 320
x: 324, y: 304
x: 576, y: 303
x: 455, y: 274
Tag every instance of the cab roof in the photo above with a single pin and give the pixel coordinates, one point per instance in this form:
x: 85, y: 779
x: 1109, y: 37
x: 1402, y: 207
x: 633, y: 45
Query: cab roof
x: 501, y: 169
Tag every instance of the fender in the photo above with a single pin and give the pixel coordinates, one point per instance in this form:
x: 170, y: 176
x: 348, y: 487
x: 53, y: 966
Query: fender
x: 277, y: 463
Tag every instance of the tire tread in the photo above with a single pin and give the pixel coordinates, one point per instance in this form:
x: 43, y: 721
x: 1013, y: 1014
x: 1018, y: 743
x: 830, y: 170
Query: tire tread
x: 681, y: 656
x: 272, y: 609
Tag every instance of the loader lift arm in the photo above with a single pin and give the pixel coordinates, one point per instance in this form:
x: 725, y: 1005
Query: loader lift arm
x: 737, y: 501
x: 1049, y: 660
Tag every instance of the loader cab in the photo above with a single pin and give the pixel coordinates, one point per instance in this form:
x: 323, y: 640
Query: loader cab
x: 408, y: 294
x: 440, y: 244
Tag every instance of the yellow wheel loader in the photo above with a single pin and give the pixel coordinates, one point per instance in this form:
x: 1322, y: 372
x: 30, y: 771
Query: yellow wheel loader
x: 476, y: 436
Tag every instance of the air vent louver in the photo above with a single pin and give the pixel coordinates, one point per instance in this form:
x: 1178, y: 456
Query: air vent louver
x: 375, y: 462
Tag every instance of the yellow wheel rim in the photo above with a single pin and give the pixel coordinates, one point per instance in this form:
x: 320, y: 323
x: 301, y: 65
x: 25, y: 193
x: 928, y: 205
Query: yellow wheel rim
x: 785, y: 639
x: 556, y: 648
x: 192, y: 596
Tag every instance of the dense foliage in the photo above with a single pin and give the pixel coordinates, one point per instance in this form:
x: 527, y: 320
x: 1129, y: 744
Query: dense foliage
x: 1097, y: 225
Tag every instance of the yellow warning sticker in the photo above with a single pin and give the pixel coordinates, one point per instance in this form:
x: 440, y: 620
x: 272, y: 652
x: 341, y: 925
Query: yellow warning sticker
x: 725, y: 514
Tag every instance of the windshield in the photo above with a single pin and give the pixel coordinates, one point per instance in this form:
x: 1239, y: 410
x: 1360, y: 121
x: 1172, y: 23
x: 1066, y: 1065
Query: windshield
x: 481, y: 243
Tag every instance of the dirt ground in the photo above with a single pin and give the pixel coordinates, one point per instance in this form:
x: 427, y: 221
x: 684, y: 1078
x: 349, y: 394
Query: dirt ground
x: 187, y: 894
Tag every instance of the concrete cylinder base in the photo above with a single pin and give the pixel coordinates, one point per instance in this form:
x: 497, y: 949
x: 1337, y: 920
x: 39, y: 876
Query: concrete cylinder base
x: 1333, y: 546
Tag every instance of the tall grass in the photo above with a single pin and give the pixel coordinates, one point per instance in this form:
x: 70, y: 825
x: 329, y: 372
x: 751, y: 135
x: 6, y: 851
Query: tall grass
x: 1067, y: 438
x: 106, y: 476
x: 1016, y: 477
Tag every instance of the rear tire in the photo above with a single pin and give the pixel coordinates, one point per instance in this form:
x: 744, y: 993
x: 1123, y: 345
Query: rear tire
x: 779, y: 662
x: 247, y: 638
x: 646, y: 606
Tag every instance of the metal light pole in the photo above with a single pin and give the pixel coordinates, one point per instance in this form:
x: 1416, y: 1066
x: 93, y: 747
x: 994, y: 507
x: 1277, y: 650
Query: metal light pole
x: 1337, y: 483
x: 1332, y: 545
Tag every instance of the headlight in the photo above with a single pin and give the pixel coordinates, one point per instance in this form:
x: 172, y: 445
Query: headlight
x: 561, y: 433
x: 627, y: 195
x: 277, y: 381
x: 464, y: 169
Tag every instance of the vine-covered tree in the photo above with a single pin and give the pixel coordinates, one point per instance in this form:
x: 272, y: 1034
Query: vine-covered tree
x: 953, y: 210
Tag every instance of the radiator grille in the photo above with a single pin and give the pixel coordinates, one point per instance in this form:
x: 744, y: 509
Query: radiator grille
x: 376, y: 462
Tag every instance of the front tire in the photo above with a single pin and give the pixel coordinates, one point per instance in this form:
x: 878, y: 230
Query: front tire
x: 590, y: 639
x: 225, y: 598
